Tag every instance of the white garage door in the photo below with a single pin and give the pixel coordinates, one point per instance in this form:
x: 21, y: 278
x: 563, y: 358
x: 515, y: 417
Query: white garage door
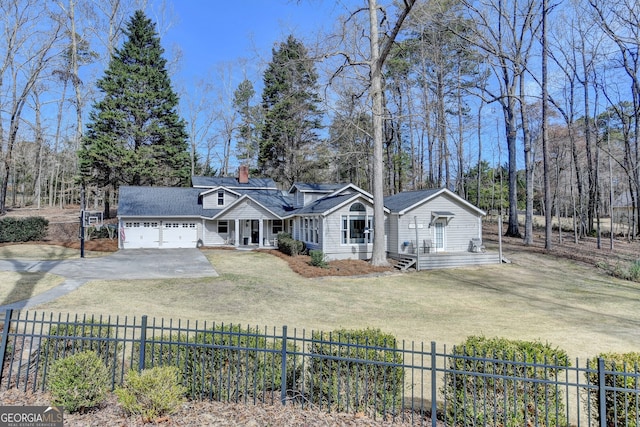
x: 178, y: 234
x: 141, y: 234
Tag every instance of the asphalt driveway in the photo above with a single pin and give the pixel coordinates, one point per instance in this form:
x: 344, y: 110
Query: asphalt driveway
x: 124, y: 264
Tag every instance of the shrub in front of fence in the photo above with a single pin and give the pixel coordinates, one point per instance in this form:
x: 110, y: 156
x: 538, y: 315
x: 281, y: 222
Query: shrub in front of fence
x: 79, y: 381
x: 622, y: 371
x: 151, y: 393
x: 500, y: 382
x: 371, y: 381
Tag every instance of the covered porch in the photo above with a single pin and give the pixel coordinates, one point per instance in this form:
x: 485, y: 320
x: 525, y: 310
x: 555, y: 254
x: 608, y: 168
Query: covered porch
x: 244, y: 232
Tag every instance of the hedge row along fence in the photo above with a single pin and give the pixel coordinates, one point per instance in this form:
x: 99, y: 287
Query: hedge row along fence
x: 482, y: 382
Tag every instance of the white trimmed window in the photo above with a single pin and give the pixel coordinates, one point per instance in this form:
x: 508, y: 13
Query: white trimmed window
x: 357, y: 227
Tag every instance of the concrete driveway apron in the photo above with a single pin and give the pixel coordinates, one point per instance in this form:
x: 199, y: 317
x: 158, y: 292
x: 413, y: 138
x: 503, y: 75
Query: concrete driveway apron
x: 124, y: 264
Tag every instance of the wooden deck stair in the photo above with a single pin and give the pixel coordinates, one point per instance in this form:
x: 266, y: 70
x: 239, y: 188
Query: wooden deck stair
x: 405, y: 263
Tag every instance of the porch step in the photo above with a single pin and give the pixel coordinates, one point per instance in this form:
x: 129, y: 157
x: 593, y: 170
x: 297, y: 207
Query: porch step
x: 405, y: 263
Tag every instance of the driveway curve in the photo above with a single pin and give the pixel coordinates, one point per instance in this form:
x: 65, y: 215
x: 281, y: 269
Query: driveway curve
x: 124, y: 264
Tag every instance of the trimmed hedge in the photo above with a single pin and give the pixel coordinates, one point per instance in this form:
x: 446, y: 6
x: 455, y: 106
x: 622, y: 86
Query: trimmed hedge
x: 622, y: 408
x: 500, y: 382
x: 374, y: 385
x: 69, y: 338
x: 23, y: 229
x: 288, y: 245
x: 225, y: 363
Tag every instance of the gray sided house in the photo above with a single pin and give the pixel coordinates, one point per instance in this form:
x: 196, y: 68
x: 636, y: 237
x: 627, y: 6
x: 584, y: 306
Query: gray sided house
x: 334, y: 218
x: 435, y: 228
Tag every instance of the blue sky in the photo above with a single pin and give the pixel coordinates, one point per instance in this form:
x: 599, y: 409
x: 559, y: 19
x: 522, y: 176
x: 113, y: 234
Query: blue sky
x: 211, y: 32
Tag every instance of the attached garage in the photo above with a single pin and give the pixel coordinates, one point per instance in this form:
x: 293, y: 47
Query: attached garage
x: 140, y: 234
x: 160, y: 217
x: 179, y: 234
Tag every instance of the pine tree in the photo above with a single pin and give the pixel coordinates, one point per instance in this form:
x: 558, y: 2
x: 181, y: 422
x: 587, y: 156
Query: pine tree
x: 247, y: 131
x: 291, y: 115
x: 134, y: 135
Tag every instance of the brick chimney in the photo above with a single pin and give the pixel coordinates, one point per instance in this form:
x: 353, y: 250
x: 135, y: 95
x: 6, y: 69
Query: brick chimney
x: 243, y: 174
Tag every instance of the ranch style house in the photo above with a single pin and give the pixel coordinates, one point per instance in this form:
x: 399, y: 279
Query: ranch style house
x: 424, y: 228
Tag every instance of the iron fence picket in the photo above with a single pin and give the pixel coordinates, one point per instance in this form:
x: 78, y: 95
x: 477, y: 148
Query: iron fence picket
x: 262, y: 366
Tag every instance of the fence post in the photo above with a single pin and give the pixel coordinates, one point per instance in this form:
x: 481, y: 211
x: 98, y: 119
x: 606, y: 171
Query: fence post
x: 5, y: 339
x: 143, y: 343
x: 602, y: 394
x: 283, y: 367
x: 434, y: 386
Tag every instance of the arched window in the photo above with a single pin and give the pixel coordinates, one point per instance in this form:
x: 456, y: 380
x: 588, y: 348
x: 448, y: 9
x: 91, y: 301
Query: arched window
x: 357, y: 227
x: 357, y: 207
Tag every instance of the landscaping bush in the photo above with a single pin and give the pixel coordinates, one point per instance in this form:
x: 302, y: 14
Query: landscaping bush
x: 23, y: 229
x: 475, y: 396
x: 78, y: 382
x: 232, y: 364
x: 66, y: 339
x: 317, y: 258
x: 164, y: 351
x: 368, y: 384
x: 151, y: 393
x: 289, y: 246
x: 622, y: 408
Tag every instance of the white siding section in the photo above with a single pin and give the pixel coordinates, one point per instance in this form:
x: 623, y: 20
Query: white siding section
x: 213, y: 238
x: 332, y: 232
x: 465, y: 225
x: 210, y: 201
x: 248, y: 210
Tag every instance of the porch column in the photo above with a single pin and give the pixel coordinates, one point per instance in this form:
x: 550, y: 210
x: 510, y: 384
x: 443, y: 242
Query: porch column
x: 260, y: 231
x: 236, y: 241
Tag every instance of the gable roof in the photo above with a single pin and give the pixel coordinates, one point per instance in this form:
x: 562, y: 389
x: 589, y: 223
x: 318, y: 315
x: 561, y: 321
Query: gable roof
x: 273, y: 200
x: 305, y: 187
x: 161, y: 201
x: 232, y: 182
x: 328, y: 204
x: 403, y: 202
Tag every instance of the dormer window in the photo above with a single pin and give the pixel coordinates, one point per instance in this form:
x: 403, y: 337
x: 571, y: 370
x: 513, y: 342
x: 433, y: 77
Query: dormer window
x: 221, y: 198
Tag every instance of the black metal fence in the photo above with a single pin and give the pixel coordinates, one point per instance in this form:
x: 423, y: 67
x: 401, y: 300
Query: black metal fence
x: 399, y: 381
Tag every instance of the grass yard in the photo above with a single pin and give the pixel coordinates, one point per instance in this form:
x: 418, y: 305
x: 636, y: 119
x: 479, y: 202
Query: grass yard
x: 568, y: 304
x: 43, y: 252
x: 19, y: 286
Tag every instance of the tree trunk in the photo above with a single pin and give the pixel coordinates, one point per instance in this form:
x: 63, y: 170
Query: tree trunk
x: 378, y: 257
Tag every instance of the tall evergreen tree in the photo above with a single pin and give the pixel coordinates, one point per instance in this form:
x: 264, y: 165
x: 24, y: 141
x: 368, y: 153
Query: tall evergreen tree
x: 134, y: 135
x: 291, y: 115
x: 247, y: 131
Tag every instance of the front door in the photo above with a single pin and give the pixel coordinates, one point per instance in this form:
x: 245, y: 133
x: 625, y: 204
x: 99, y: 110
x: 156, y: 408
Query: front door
x: 439, y: 237
x: 255, y: 231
